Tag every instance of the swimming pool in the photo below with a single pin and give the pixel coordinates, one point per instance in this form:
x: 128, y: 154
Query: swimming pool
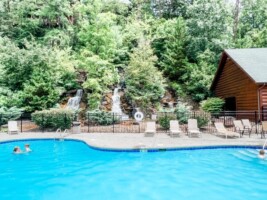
x: 73, y: 170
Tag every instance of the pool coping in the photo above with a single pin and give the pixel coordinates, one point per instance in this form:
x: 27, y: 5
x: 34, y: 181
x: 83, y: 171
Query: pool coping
x: 141, y: 149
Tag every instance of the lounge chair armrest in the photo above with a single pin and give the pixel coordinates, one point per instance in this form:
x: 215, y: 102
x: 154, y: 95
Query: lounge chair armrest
x: 237, y: 129
x: 247, y: 128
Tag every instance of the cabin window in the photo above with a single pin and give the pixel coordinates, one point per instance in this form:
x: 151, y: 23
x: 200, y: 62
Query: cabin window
x: 230, y: 104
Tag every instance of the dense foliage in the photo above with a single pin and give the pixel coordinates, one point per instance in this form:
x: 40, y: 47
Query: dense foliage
x: 53, y: 119
x: 150, y: 45
x: 145, y: 83
x: 182, y: 113
x: 102, y: 117
x: 7, y: 114
x: 202, y: 120
x: 164, y: 121
x: 212, y: 105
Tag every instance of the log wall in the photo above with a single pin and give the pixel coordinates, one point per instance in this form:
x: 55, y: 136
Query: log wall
x: 234, y: 82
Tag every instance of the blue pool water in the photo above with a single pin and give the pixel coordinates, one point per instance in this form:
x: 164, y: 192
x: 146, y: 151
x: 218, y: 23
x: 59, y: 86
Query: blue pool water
x: 73, y: 170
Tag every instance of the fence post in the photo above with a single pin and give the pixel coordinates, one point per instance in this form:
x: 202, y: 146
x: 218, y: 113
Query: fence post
x: 65, y: 120
x: 166, y: 120
x: 113, y: 121
x: 88, y: 118
x: 21, y: 122
x: 0, y: 122
x: 42, y: 122
x: 224, y: 118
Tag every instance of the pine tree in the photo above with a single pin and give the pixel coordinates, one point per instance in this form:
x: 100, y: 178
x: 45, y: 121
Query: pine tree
x: 144, y: 82
x: 174, y: 62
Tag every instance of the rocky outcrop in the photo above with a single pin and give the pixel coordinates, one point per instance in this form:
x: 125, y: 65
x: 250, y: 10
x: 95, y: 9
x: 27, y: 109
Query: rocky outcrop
x: 81, y: 76
x: 125, y: 105
x: 106, y: 104
x: 168, y: 100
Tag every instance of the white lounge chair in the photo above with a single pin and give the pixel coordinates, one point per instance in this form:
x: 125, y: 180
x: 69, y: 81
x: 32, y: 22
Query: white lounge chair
x: 264, y: 128
x: 13, y: 127
x: 193, y: 128
x: 247, y: 124
x: 150, y: 129
x: 175, y: 128
x: 240, y: 128
x: 222, y: 131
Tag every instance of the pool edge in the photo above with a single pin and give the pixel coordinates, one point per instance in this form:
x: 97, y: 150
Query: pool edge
x: 109, y: 149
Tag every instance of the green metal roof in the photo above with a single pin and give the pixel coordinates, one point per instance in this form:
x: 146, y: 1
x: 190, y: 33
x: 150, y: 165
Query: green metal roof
x: 253, y: 61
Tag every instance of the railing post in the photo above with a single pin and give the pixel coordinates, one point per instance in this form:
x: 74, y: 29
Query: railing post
x: 256, y: 121
x: 113, y: 121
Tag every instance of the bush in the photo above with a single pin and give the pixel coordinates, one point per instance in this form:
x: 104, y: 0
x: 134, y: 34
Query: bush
x: 202, y: 121
x: 164, y: 121
x: 101, y: 117
x: 7, y: 114
x: 212, y: 105
x: 53, y: 118
x: 182, y: 112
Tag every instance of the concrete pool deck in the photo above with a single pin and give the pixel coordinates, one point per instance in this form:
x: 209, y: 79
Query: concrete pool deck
x: 137, y: 140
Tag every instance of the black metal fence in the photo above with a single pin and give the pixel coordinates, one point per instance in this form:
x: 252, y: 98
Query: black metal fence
x: 113, y: 123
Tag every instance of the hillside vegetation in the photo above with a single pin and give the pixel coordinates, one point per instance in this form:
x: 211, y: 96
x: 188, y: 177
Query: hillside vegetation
x: 147, y: 45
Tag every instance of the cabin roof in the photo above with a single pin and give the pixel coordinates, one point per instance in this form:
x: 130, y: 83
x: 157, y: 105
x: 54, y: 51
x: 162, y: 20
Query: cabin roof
x: 252, y: 61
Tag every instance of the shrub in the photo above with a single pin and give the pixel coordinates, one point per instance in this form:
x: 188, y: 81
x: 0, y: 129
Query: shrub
x: 101, y: 117
x: 53, y: 118
x: 212, y: 105
x: 202, y: 121
x: 164, y: 121
x: 7, y: 114
x: 182, y: 112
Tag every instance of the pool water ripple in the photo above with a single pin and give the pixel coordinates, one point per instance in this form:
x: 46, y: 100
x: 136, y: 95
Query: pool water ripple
x: 72, y: 170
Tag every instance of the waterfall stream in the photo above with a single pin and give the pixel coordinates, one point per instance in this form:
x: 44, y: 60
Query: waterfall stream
x: 116, y: 105
x: 74, y: 102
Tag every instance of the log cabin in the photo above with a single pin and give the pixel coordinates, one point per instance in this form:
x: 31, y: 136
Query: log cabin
x: 241, y: 79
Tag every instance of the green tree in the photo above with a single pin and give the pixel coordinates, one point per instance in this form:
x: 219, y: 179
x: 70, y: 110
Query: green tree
x: 145, y: 84
x: 253, y: 15
x: 30, y: 18
x: 173, y: 61
x: 38, y: 92
x: 100, y: 42
x: 208, y: 26
x: 171, y: 8
x: 252, y: 29
x: 17, y: 64
x: 201, y: 76
x: 101, y: 75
